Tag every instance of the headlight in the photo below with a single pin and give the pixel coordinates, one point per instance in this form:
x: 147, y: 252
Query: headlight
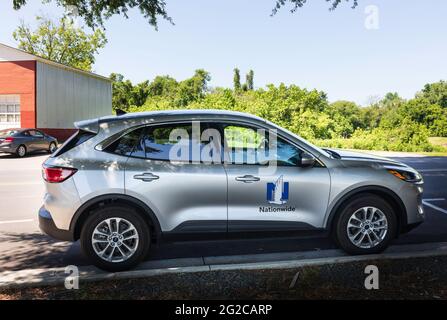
x: 406, y: 175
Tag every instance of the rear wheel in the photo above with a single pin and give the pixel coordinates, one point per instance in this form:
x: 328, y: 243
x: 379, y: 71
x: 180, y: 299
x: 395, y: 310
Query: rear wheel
x: 115, y: 238
x: 366, y: 224
x: 21, y: 151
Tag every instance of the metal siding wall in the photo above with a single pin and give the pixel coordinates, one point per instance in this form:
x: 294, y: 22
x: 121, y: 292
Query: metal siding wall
x: 64, y: 97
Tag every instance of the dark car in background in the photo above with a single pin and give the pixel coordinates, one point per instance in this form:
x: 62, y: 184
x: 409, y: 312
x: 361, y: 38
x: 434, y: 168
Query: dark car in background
x: 23, y: 141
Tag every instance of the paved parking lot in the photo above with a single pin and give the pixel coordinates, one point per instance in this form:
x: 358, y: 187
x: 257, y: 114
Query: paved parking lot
x: 22, y: 246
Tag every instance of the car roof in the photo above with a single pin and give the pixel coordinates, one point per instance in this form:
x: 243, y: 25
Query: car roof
x: 92, y: 125
x: 189, y: 113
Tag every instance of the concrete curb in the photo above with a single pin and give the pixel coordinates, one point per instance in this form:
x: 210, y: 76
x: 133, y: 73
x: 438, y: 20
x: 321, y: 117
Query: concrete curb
x: 57, y: 276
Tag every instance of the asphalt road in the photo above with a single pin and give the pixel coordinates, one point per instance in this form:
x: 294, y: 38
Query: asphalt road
x: 22, y: 246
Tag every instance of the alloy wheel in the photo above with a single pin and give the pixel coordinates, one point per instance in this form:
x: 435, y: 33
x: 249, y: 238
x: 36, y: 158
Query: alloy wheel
x: 115, y: 240
x: 21, y: 151
x: 367, y: 227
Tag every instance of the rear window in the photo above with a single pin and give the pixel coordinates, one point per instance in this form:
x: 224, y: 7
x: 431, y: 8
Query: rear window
x: 4, y: 133
x: 74, y: 141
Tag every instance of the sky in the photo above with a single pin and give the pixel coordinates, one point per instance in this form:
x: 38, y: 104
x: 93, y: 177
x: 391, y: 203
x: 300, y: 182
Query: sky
x: 333, y: 51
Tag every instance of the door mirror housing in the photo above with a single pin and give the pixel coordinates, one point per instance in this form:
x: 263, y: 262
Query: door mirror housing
x: 307, y: 160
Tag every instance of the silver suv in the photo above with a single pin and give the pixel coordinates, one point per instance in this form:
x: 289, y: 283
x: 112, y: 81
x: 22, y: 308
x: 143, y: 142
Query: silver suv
x: 124, y: 183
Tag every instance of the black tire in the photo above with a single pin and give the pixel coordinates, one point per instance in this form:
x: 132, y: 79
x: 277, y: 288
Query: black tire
x: 366, y: 200
x: 50, y: 147
x: 19, y: 152
x: 116, y: 211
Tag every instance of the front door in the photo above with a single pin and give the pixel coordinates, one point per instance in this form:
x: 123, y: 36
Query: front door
x: 282, y: 197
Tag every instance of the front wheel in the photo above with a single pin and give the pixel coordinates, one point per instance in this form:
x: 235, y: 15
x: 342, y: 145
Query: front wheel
x: 115, y: 238
x: 366, y: 225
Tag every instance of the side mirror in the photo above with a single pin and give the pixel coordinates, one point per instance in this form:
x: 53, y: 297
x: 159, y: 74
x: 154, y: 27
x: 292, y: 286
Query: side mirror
x: 307, y: 160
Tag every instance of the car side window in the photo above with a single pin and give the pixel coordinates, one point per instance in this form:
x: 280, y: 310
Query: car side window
x: 243, y: 144
x: 127, y: 145
x: 36, y: 134
x: 159, y: 141
x: 249, y: 145
x: 287, y: 154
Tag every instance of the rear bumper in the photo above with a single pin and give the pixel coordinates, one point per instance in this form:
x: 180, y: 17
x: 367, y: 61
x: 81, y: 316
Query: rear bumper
x: 47, y: 226
x: 7, y: 148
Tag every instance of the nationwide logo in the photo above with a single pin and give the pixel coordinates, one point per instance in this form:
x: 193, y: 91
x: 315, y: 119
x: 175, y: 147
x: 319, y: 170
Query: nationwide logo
x: 278, y: 192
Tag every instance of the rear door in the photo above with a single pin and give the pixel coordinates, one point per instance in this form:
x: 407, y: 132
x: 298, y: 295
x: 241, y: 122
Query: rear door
x: 187, y: 195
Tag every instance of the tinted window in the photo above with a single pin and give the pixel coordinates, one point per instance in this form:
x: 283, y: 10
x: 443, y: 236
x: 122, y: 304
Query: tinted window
x: 156, y: 142
x: 128, y: 145
x: 183, y: 142
x: 159, y: 141
x: 35, y: 133
x: 286, y: 154
x: 246, y: 145
x: 75, y: 140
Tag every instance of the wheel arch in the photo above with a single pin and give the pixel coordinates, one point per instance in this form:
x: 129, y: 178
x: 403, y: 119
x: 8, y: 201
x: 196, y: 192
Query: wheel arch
x: 390, y: 196
x: 84, y: 211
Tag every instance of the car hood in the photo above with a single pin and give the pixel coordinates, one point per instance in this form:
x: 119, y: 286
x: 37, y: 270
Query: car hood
x: 347, y: 155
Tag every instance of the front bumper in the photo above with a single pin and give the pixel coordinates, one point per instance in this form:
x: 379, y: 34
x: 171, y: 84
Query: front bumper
x: 47, y: 226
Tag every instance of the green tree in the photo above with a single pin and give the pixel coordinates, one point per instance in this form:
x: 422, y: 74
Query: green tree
x: 140, y: 93
x: 299, y: 3
x: 122, y: 91
x: 163, y: 86
x: 435, y: 93
x: 192, y: 89
x: 250, y: 80
x: 346, y: 116
x: 236, y: 80
x: 390, y: 123
x: 95, y: 12
x: 61, y: 42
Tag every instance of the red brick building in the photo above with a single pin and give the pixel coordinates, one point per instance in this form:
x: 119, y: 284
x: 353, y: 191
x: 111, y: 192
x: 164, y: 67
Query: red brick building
x: 39, y: 93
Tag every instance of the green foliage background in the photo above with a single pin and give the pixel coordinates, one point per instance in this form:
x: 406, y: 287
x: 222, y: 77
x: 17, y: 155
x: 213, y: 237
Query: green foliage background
x: 391, y: 124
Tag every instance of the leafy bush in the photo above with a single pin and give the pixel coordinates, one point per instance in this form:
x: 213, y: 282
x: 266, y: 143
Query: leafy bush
x: 391, y: 124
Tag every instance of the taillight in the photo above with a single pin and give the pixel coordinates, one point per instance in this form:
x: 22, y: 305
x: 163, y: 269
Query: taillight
x: 57, y: 174
x: 9, y: 139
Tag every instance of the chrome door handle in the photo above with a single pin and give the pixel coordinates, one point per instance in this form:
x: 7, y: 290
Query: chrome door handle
x: 146, y: 177
x: 248, y: 178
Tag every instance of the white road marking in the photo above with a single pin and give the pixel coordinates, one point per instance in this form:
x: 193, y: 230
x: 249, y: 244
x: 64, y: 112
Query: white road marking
x: 426, y: 202
x: 16, y: 221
